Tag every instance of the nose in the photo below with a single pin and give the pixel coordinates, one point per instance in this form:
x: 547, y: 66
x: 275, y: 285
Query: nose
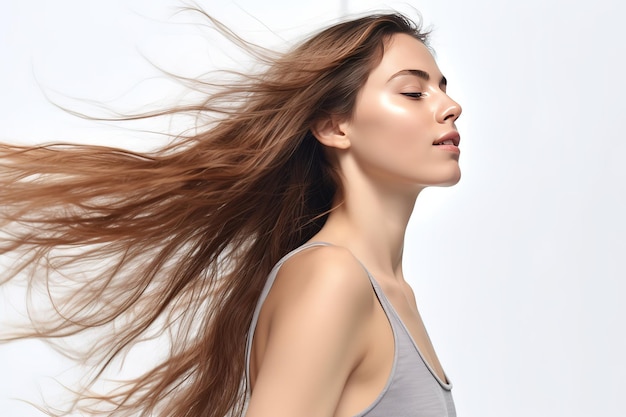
x: 450, y: 110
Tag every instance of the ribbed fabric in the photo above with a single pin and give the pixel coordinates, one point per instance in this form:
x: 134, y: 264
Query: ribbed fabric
x: 412, y: 390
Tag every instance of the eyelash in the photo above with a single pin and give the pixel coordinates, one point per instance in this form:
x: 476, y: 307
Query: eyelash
x: 416, y: 96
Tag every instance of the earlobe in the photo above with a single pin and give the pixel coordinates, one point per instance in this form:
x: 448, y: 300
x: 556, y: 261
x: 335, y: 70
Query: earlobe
x: 330, y: 132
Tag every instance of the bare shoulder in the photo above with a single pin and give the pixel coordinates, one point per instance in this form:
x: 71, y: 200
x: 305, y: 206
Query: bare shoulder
x: 312, y: 333
x: 327, y: 273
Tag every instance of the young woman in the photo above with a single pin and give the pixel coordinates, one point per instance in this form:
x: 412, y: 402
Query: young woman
x: 268, y: 247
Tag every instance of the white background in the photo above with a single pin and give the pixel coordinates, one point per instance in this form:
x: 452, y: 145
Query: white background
x: 518, y: 270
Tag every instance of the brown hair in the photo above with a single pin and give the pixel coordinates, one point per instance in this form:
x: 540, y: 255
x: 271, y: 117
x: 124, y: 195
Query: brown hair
x: 179, y: 242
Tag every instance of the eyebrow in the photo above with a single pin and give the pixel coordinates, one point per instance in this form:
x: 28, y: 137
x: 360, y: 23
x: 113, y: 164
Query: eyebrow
x: 420, y: 74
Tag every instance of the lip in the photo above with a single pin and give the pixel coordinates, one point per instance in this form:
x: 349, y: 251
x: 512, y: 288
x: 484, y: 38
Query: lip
x: 453, y: 136
x: 449, y: 148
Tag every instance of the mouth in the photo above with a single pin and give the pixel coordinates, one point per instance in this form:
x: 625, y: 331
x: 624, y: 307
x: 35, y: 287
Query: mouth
x: 452, y: 138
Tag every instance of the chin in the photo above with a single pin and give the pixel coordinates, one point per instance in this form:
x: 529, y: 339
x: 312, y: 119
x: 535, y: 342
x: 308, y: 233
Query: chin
x: 448, y: 180
x: 453, y: 181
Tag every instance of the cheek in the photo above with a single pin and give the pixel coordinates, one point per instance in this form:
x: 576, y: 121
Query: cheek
x: 386, y: 124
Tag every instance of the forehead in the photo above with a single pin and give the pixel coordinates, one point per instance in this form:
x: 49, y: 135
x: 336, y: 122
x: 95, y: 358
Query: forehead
x: 404, y: 52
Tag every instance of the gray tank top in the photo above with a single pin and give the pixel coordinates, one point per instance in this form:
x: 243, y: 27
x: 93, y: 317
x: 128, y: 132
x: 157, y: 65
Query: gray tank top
x: 412, y: 390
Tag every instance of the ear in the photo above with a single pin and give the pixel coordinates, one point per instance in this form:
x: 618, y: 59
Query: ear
x: 331, y: 132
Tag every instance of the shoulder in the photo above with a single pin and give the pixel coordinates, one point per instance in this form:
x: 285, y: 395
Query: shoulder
x: 325, y: 274
x: 313, y: 332
x: 321, y: 291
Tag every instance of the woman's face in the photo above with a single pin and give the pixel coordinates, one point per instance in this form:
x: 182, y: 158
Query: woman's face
x: 401, y: 114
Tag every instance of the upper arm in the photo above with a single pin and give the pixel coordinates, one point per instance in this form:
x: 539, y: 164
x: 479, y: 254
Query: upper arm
x: 315, y: 337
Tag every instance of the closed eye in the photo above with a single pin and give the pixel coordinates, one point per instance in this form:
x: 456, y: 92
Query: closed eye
x: 413, y: 95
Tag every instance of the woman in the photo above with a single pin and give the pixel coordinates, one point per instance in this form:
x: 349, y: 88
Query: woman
x: 268, y: 248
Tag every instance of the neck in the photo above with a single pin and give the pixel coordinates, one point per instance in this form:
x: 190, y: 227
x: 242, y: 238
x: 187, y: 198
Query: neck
x: 371, y: 220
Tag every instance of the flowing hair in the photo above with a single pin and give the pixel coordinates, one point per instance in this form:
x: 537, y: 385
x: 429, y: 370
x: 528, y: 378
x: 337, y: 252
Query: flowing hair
x: 178, y: 242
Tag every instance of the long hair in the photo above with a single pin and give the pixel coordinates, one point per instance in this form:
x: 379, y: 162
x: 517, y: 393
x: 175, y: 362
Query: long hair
x: 178, y: 242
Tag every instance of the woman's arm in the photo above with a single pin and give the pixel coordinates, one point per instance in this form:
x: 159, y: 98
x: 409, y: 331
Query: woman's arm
x: 317, y: 334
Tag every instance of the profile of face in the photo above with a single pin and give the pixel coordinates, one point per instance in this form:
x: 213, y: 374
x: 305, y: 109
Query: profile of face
x: 402, y: 130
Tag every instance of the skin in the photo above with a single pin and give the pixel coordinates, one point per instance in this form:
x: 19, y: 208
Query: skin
x: 323, y: 345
